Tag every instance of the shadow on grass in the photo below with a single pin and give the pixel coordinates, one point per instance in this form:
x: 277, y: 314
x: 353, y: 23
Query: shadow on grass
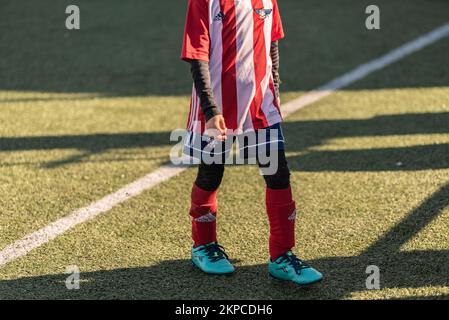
x: 177, y: 279
x: 301, y: 135
x: 92, y: 142
x: 133, y: 48
x: 87, y: 144
x: 304, y: 134
x: 414, y: 158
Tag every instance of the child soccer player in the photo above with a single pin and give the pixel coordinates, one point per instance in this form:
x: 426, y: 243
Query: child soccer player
x: 232, y: 46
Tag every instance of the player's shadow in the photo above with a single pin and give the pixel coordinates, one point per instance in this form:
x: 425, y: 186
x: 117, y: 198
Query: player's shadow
x: 177, y: 279
x: 305, y: 137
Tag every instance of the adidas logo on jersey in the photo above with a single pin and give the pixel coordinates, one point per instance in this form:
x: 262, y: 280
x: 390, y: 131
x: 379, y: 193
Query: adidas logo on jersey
x: 220, y: 16
x: 263, y: 13
x: 206, y: 218
x: 292, y: 216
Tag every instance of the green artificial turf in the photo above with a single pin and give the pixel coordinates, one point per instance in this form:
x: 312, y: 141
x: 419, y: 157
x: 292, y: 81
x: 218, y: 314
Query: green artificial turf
x: 85, y: 112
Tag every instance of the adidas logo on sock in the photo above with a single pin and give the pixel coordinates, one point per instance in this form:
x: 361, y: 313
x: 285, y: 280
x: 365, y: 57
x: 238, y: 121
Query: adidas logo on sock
x: 292, y: 216
x: 206, y: 218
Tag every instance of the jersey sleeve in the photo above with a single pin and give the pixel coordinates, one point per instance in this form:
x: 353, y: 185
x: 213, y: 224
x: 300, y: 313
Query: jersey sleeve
x: 196, y: 40
x: 277, y: 31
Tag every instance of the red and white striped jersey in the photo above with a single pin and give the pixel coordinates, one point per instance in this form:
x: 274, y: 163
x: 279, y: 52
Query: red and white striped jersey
x: 235, y: 36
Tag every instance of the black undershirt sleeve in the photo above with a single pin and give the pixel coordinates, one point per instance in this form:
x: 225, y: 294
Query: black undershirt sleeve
x: 274, y: 52
x: 201, y: 79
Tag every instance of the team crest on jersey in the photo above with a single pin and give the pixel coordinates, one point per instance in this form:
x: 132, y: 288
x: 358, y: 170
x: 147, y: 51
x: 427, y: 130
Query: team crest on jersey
x: 263, y: 13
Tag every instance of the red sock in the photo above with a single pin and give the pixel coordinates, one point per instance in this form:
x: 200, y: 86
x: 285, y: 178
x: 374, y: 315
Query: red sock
x: 203, y: 211
x: 281, y: 215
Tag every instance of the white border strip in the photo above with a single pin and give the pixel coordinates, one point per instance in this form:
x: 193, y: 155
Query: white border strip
x: 42, y: 236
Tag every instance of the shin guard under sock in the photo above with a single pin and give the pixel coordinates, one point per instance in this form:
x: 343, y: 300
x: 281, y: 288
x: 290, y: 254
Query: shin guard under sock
x: 281, y: 212
x: 203, y: 212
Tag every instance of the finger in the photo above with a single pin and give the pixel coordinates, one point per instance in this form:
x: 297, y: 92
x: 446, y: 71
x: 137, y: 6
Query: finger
x: 221, y: 137
x: 223, y: 125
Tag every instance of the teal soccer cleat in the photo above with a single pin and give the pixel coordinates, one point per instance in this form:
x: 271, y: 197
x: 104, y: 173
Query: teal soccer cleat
x: 212, y: 259
x: 289, y: 268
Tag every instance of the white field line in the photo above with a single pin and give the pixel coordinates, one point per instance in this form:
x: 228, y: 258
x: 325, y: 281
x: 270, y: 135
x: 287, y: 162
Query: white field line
x: 366, y: 69
x: 36, y: 239
x: 58, y: 227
